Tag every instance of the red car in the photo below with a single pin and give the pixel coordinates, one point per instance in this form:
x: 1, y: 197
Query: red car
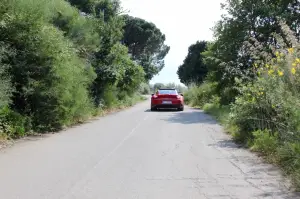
x: 167, y: 98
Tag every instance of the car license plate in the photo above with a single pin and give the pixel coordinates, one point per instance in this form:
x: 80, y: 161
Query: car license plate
x: 167, y: 102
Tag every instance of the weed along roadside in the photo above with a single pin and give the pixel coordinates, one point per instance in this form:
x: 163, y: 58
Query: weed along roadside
x: 249, y: 79
x: 264, y: 116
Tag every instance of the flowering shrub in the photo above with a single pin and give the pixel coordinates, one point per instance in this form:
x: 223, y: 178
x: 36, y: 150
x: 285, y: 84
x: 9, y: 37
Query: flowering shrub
x: 272, y: 101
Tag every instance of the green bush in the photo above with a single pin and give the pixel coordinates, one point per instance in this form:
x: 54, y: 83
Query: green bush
x: 54, y: 81
x: 58, y: 67
x: 289, y: 156
x: 200, y: 95
x: 5, y: 79
x: 221, y: 113
x: 144, y: 89
x: 109, y: 98
x: 271, y: 102
x: 13, y: 124
x: 265, y: 142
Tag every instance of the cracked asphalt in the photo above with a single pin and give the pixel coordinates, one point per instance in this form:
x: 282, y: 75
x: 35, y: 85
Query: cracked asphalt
x: 138, y: 154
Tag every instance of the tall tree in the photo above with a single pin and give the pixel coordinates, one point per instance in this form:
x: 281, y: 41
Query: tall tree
x: 86, y: 6
x: 157, y: 86
x: 247, y: 35
x: 5, y: 82
x: 193, y: 69
x: 146, y: 44
x: 107, y: 7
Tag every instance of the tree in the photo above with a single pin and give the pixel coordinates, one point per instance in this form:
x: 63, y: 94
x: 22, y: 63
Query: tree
x: 246, y: 35
x: 108, y: 8
x: 87, y: 6
x: 158, y: 86
x: 146, y: 44
x: 55, y: 61
x: 193, y: 69
x: 5, y: 82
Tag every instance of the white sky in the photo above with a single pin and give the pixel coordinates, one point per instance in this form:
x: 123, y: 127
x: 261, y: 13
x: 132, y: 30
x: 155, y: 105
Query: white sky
x: 183, y: 23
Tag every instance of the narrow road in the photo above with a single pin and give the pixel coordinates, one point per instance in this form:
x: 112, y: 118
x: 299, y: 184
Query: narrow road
x: 137, y: 154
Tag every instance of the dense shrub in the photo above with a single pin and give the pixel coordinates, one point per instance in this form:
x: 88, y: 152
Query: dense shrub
x: 51, y: 81
x: 265, y: 142
x: 13, y: 124
x: 144, y: 89
x: 60, y: 64
x: 200, y: 95
x: 272, y: 102
x: 5, y: 85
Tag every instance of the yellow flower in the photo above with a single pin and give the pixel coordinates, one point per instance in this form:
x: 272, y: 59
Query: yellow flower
x: 261, y: 93
x: 291, y: 50
x: 270, y: 72
x: 293, y: 71
x: 255, y: 65
x: 258, y: 73
x: 280, y: 73
x: 277, y: 53
x: 294, y: 64
x: 267, y: 66
x: 298, y: 60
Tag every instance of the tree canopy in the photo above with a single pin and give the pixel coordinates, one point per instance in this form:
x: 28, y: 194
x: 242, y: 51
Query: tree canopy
x: 193, y: 69
x: 146, y: 44
x: 158, y: 86
x: 249, y: 33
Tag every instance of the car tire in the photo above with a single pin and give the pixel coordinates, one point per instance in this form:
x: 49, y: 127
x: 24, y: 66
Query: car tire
x: 181, y: 109
x: 153, y: 109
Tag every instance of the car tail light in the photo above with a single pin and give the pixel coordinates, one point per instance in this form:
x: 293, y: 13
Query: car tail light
x: 178, y: 96
x: 154, y: 96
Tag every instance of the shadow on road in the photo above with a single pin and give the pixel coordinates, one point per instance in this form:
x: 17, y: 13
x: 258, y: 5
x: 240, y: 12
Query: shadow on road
x: 190, y: 118
x: 281, y: 195
x: 260, y: 175
x: 227, y: 144
x: 162, y: 110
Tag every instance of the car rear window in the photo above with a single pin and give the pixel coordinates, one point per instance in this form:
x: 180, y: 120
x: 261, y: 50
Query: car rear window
x: 167, y: 92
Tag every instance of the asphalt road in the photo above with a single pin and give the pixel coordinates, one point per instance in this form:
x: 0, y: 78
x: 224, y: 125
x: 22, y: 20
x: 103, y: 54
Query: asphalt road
x: 137, y: 154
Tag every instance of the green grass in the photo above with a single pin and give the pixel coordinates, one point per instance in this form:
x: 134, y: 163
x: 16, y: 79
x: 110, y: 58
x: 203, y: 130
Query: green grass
x: 220, y: 113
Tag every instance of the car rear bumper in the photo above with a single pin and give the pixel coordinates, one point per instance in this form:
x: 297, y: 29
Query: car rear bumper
x: 167, y: 106
x: 171, y: 103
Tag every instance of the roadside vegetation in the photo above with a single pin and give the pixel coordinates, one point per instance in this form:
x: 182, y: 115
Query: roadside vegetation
x: 62, y: 62
x: 147, y: 89
x: 178, y: 87
x: 248, y: 78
